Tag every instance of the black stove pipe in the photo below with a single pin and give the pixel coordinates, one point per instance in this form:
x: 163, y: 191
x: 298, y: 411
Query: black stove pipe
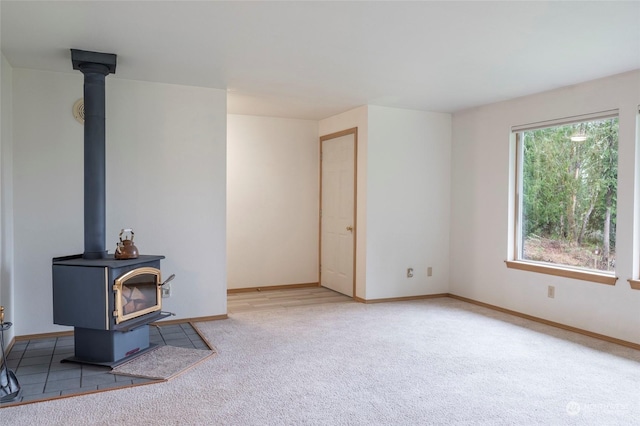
x: 95, y: 67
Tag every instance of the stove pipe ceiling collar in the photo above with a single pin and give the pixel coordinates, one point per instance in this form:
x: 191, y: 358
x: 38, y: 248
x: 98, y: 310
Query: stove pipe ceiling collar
x: 95, y: 66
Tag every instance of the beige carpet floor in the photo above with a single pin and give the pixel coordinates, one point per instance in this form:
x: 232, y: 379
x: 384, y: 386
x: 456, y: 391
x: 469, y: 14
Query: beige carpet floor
x: 430, y: 362
x: 163, y: 362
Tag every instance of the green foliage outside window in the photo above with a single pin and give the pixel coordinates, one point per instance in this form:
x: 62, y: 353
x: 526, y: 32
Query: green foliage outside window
x: 569, y: 185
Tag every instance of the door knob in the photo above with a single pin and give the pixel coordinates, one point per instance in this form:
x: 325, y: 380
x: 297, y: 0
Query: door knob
x: 350, y: 228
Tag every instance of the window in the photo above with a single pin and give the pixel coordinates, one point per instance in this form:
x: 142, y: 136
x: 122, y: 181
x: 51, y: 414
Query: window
x: 567, y: 179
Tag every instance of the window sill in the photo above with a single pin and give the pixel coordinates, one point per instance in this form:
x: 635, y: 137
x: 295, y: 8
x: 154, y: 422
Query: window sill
x: 635, y: 284
x: 559, y: 271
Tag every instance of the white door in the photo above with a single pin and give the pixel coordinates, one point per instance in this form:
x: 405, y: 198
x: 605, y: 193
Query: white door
x: 337, y: 212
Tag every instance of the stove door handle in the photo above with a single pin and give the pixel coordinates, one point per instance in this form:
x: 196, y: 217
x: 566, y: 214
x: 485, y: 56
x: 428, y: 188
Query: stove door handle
x: 168, y: 280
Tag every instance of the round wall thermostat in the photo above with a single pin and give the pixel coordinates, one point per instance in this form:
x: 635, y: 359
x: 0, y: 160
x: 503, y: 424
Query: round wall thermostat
x: 78, y: 110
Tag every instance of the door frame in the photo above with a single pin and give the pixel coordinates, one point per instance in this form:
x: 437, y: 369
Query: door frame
x: 352, y: 131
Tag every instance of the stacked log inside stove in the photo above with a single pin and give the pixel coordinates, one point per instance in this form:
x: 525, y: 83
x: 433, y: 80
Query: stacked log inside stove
x: 135, y: 300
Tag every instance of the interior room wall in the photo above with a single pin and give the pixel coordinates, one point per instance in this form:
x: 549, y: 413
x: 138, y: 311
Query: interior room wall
x: 272, y: 201
x: 166, y: 179
x: 402, y: 199
x: 6, y: 196
x: 408, y: 202
x: 357, y: 117
x: 482, y: 221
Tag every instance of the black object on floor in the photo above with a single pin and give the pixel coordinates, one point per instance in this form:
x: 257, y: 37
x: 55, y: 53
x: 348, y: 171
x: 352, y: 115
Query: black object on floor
x: 9, y: 386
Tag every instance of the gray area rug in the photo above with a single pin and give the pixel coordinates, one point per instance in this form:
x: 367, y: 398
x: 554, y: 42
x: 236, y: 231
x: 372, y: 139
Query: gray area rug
x: 163, y: 362
x: 427, y: 362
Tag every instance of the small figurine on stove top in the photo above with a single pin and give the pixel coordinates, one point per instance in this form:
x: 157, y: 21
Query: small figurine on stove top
x: 125, y: 249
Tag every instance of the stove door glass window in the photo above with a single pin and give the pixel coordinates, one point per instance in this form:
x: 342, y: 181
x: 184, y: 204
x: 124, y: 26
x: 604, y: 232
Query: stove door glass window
x: 137, y: 293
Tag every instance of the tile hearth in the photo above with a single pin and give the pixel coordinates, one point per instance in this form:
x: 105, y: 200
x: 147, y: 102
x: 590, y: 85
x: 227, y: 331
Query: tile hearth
x: 41, y: 375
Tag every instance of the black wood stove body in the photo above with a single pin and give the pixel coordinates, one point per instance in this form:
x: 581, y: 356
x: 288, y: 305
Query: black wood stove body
x: 109, y: 302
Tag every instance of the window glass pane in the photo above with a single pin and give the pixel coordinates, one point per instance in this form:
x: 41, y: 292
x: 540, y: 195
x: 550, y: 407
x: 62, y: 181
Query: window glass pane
x: 569, y: 180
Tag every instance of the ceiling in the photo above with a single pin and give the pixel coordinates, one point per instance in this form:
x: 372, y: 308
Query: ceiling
x: 314, y: 59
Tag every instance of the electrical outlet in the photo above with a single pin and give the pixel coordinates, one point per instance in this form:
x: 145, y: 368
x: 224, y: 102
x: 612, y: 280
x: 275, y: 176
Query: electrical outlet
x: 429, y: 271
x: 409, y: 272
x: 551, y: 292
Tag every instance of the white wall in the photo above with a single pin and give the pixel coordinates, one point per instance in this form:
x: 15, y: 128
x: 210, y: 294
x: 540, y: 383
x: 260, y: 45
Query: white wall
x: 166, y: 178
x: 403, y: 199
x: 6, y: 197
x: 357, y: 117
x: 481, y: 220
x: 408, y: 203
x: 272, y: 201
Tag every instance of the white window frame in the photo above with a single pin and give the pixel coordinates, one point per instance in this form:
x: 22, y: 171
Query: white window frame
x: 515, y: 262
x: 635, y: 283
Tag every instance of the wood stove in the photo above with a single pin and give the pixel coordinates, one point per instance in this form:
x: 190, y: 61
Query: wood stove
x: 109, y: 302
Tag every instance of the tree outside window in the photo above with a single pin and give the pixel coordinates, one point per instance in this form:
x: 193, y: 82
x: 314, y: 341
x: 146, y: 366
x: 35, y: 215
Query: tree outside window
x: 568, y: 178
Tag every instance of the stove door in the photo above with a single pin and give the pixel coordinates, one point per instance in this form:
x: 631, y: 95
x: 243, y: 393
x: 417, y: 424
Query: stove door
x: 137, y: 293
